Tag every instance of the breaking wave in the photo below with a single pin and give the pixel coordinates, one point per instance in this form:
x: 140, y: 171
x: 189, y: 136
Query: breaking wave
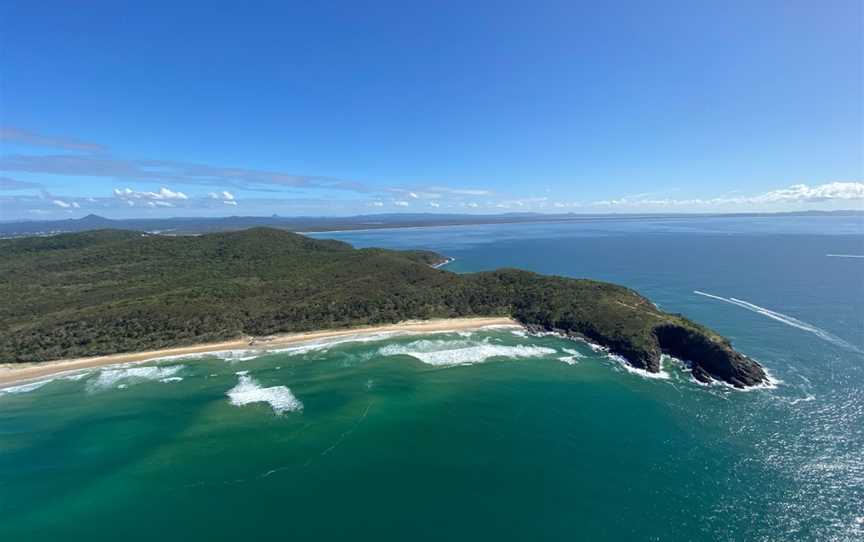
x: 248, y: 391
x: 443, y: 353
x: 24, y: 388
x: 123, y: 376
x: 783, y: 318
x: 624, y: 364
x: 573, y: 357
x: 227, y: 355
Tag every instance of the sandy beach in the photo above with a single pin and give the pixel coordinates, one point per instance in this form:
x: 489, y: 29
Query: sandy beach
x: 13, y: 373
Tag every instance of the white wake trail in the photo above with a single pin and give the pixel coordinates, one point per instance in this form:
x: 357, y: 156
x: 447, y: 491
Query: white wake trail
x: 783, y: 318
x: 845, y: 255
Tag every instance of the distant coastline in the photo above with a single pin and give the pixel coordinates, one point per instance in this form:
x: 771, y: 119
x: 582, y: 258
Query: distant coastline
x: 182, y: 226
x: 15, y: 373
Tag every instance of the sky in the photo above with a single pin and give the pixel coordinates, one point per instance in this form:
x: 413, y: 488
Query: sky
x: 149, y: 109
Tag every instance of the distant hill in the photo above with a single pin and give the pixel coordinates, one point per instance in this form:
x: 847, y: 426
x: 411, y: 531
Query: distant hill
x: 108, y: 291
x: 192, y: 226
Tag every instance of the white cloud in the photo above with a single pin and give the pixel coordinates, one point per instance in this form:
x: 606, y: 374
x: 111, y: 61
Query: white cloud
x: 224, y: 196
x: 434, y: 204
x: 399, y: 203
x: 162, y: 195
x: 159, y: 203
x: 461, y: 191
x: 521, y: 203
x: 436, y: 193
x: 66, y: 205
x: 822, y: 192
x: 471, y: 205
x: 836, y: 192
x: 376, y: 204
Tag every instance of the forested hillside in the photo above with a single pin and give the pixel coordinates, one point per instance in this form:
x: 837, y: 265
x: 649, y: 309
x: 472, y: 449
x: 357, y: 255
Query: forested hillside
x: 109, y: 291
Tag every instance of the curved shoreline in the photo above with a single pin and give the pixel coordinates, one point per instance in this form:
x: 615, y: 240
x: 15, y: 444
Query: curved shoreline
x: 16, y: 373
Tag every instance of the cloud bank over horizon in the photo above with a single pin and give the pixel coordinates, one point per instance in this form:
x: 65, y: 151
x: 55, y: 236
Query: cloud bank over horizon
x: 87, y: 178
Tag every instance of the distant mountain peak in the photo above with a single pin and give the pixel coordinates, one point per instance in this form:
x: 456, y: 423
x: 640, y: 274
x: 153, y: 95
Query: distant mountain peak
x: 93, y: 217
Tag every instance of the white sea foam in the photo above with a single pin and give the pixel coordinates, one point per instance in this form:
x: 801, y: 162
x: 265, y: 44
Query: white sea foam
x: 24, y: 388
x: 444, y: 353
x: 122, y: 376
x: 246, y: 354
x: 320, y: 345
x: 771, y: 382
x: 783, y: 318
x: 661, y: 375
x: 238, y: 355
x: 442, y: 264
x: 171, y: 379
x: 597, y: 348
x: 248, y: 391
x: 602, y: 350
x: 845, y: 255
x: 573, y: 358
x: 227, y: 355
x: 502, y: 327
x: 326, y: 344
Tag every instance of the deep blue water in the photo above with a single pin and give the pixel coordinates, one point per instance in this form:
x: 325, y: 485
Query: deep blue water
x: 802, y: 444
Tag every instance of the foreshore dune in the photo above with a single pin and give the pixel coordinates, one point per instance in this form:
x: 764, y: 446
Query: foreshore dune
x: 13, y: 373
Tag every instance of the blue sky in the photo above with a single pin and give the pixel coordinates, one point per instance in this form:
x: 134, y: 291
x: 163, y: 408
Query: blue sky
x: 254, y: 108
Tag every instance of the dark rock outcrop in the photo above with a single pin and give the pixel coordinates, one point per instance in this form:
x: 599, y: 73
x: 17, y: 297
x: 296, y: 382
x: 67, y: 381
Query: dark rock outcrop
x: 709, y: 359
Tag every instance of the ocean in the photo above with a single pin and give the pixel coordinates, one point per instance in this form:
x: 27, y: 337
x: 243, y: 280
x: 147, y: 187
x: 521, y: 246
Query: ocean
x: 484, y: 435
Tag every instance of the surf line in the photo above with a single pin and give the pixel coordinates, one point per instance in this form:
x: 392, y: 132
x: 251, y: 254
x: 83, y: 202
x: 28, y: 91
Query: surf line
x: 783, y: 318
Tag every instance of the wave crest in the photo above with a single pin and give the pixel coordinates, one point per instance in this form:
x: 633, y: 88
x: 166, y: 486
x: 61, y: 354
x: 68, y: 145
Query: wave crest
x: 443, y: 353
x: 123, y: 376
x: 24, y: 388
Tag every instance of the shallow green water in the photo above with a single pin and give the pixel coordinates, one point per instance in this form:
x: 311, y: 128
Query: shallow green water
x: 392, y: 439
x: 384, y: 445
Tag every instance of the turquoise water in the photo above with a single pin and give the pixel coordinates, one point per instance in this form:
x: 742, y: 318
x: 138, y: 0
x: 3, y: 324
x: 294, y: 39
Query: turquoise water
x: 487, y: 435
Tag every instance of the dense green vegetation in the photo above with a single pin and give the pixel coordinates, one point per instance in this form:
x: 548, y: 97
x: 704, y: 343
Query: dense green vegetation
x: 109, y: 291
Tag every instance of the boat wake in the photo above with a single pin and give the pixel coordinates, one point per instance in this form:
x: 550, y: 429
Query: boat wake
x: 783, y: 318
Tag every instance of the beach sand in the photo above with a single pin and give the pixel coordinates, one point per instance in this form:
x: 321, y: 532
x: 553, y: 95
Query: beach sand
x: 12, y: 373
